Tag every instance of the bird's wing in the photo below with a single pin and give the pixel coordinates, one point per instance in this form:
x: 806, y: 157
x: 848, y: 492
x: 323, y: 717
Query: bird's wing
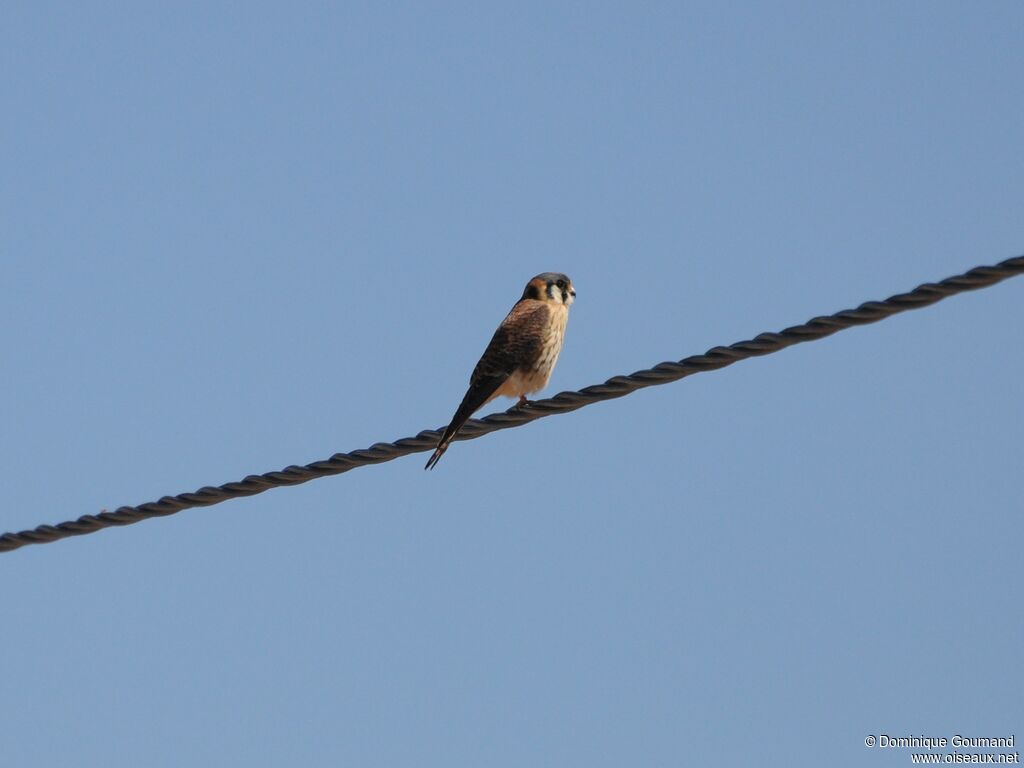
x: 516, y: 343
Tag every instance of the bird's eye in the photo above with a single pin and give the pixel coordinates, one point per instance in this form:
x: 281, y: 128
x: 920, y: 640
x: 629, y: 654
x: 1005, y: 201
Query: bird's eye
x: 561, y: 284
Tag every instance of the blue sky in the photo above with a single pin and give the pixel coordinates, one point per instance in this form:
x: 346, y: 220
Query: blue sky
x: 238, y: 237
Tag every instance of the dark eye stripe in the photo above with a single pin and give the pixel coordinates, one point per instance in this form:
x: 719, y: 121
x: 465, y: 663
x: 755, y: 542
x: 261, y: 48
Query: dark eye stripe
x: 562, y: 291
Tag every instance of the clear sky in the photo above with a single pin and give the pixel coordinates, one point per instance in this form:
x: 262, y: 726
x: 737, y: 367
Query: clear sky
x: 236, y: 237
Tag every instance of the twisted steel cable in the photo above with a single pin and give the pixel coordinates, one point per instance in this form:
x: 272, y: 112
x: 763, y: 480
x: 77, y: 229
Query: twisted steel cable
x: 617, y: 386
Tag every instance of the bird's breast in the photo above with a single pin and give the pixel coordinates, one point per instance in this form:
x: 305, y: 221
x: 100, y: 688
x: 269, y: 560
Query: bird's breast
x: 551, y: 344
x: 534, y: 376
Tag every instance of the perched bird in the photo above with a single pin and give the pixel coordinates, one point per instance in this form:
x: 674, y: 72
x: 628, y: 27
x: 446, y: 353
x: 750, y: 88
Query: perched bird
x: 522, y: 354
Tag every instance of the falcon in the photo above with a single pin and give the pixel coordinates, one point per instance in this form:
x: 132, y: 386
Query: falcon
x: 522, y: 354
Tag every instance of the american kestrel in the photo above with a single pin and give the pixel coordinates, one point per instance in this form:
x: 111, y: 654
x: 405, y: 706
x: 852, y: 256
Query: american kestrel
x: 522, y: 354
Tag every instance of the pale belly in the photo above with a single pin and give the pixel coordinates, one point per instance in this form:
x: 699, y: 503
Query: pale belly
x: 535, y: 378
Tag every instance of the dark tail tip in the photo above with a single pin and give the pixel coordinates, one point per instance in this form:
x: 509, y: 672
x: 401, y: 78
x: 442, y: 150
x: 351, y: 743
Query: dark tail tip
x: 435, y: 457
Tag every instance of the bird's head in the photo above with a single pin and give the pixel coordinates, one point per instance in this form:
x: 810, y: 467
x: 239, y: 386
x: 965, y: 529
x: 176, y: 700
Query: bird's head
x: 552, y: 287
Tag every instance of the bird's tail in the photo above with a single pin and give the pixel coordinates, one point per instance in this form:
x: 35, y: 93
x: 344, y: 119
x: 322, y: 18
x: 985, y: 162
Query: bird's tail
x: 480, y: 391
x: 437, y: 454
x: 449, y: 434
x: 458, y: 420
x: 470, y: 403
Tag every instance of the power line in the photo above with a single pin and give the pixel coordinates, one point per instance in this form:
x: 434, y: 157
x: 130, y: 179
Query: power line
x: 618, y: 386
